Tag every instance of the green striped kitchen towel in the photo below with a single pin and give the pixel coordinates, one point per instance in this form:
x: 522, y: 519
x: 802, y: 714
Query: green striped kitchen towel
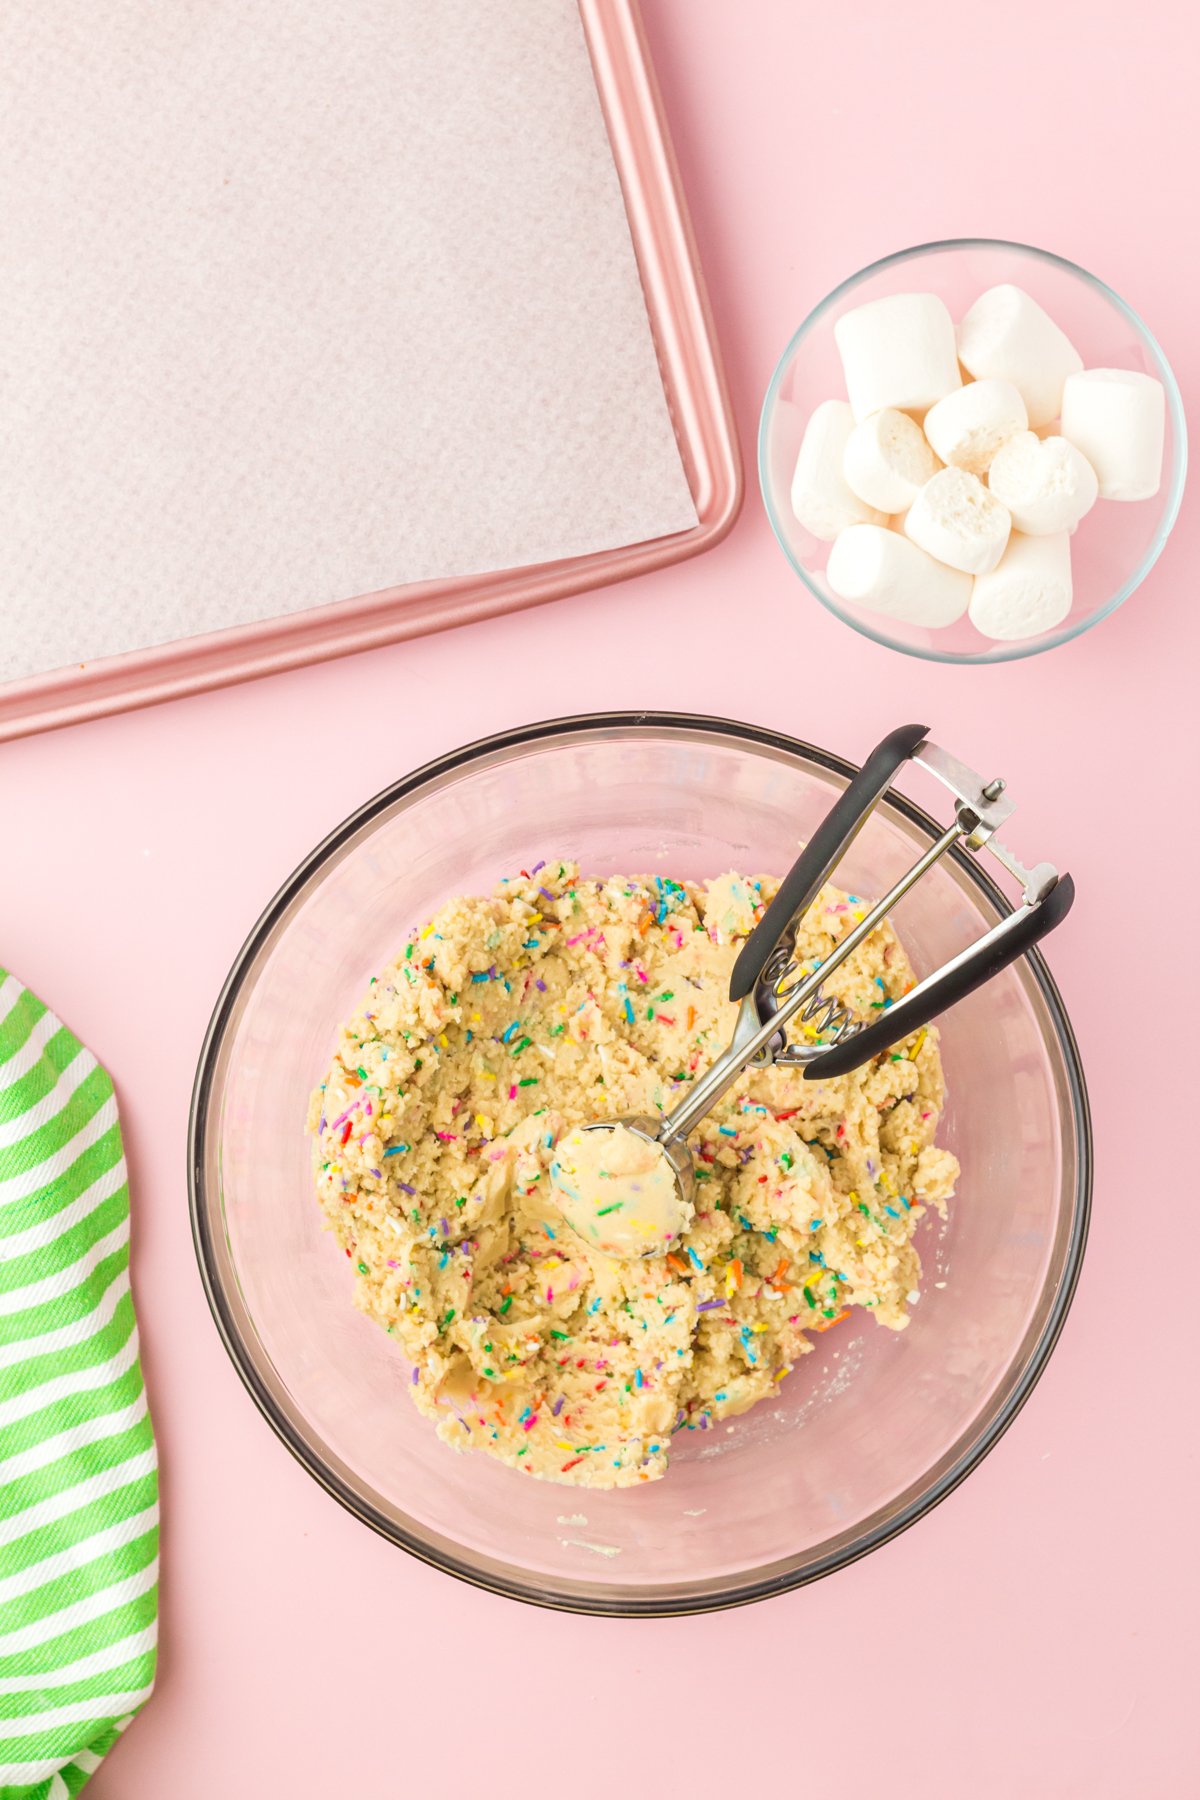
x: 78, y: 1471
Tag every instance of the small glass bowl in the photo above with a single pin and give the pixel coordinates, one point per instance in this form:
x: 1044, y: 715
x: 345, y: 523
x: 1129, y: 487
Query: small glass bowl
x: 873, y: 1427
x: 1114, y: 547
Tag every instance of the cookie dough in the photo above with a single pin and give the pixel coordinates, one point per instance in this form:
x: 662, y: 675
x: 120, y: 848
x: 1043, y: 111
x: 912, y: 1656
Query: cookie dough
x: 508, y: 1021
x: 619, y: 1193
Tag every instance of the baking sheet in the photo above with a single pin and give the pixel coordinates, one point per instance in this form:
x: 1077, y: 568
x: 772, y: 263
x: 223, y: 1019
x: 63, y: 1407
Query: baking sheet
x: 303, y: 303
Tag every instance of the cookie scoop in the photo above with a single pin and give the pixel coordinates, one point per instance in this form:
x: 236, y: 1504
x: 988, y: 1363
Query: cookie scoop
x: 626, y: 1187
x: 621, y: 1190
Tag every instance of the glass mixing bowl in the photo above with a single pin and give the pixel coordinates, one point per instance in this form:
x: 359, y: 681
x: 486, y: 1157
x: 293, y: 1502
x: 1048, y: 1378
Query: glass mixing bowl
x: 1114, y: 547
x: 872, y: 1428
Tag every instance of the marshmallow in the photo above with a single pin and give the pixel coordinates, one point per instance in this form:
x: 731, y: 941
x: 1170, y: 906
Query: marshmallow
x: 821, y: 500
x: 882, y: 570
x: 1029, y: 593
x: 969, y: 426
x: 887, y: 461
x: 955, y: 519
x: 898, y: 352
x: 1046, y: 484
x: 1007, y: 336
x: 1116, y: 417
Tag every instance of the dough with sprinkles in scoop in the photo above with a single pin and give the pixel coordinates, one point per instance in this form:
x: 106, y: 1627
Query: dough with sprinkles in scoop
x: 509, y: 1020
x: 618, y: 1192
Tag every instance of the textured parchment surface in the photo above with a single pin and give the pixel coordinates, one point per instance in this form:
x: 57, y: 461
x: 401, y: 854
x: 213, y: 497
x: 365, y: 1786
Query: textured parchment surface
x: 304, y: 299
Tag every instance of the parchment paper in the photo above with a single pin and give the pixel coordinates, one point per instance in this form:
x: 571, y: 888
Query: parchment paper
x: 300, y: 300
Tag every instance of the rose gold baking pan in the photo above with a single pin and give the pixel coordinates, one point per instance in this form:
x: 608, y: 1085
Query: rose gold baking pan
x: 696, y: 393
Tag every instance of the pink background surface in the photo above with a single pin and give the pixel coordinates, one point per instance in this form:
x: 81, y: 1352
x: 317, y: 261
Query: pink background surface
x: 1032, y: 1634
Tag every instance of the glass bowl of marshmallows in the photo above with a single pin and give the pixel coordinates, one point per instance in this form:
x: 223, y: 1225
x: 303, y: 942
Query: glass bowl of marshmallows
x: 972, y: 451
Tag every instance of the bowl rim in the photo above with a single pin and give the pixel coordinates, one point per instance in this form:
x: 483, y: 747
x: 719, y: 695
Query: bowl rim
x: 600, y: 1602
x: 999, y: 652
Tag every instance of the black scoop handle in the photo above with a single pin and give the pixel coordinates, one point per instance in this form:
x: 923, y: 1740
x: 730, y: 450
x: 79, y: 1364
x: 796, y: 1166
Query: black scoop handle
x: 821, y: 855
x: 1019, y: 933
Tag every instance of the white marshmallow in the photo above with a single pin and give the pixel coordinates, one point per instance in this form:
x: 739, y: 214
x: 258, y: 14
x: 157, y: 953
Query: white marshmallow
x: 1029, y: 593
x: 955, y: 519
x: 969, y: 426
x: 898, y: 352
x: 821, y: 500
x: 1117, y: 417
x: 882, y: 570
x: 887, y: 461
x: 1046, y: 483
x: 1007, y: 336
